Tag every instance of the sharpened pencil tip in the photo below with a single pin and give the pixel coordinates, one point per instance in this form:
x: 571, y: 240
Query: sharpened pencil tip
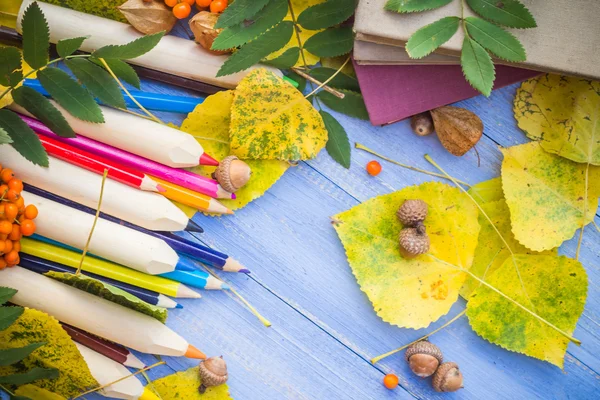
x: 229, y: 212
x: 225, y: 286
x: 233, y: 196
x: 178, y: 306
x: 193, y: 352
x: 205, y: 159
x: 193, y: 227
x: 160, y: 189
x: 244, y: 271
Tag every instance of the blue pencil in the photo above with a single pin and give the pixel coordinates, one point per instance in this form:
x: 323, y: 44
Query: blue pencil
x: 42, y: 266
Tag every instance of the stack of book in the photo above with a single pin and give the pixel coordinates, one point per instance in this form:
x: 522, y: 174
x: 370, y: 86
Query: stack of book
x: 395, y: 86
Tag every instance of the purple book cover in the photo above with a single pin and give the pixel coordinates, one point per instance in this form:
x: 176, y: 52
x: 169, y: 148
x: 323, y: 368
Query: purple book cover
x: 395, y: 92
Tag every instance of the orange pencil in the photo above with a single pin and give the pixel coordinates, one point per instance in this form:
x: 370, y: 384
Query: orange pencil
x: 190, y: 198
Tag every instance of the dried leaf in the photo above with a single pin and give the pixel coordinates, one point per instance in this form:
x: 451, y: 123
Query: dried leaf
x: 458, y: 129
x: 184, y: 386
x: 205, y: 33
x: 148, y: 17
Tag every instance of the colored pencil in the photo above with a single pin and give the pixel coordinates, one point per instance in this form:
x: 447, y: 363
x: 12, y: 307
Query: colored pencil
x: 198, y: 279
x: 150, y: 210
x: 150, y: 101
x: 114, y: 351
x: 190, y: 198
x: 181, y: 177
x: 106, y: 371
x: 95, y: 315
x: 107, y: 269
x: 97, y: 164
x: 140, y: 136
x: 42, y: 266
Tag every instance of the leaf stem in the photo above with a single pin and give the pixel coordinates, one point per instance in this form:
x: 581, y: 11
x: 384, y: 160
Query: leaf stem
x: 7, y: 390
x: 596, y: 225
x: 585, y: 200
x: 323, y: 85
x: 297, y: 30
x: 331, y: 90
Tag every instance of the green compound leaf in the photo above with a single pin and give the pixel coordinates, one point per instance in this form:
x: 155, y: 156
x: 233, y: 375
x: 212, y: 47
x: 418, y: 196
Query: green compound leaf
x: 338, y: 145
x: 25, y: 141
x: 12, y: 356
x: 239, y: 11
x: 10, y: 60
x: 43, y: 110
x: 352, y: 104
x: 428, y: 38
x: 4, y: 137
x: 33, y: 374
x: 133, y: 49
x: 244, y: 32
x: 6, y: 294
x: 285, y: 61
x: 66, y: 47
x: 262, y: 46
x: 70, y: 95
x: 340, y: 81
x: 495, y: 39
x: 556, y: 289
x: 511, y: 13
x: 97, y: 81
x: 327, y: 14
x: 8, y: 315
x: 332, y: 42
x: 477, y: 66
x: 121, y: 69
x: 408, y: 6
x: 36, y: 37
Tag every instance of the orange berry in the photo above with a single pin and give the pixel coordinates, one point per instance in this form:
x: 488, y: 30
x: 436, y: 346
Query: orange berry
x: 5, y: 227
x: 21, y: 218
x: 171, y: 3
x: 10, y: 211
x: 8, y: 246
x: 3, y: 236
x: 6, y: 174
x: 2, y: 211
x: 2, y: 263
x: 182, y: 10
x: 12, y: 195
x: 17, y: 246
x: 390, y: 381
x: 16, y: 185
x: 31, y: 212
x: 11, y: 258
x: 373, y: 168
x: 218, y: 6
x: 203, y: 3
x: 16, y: 233
x: 20, y: 203
x: 3, y: 190
x: 190, y: 2
x: 27, y: 227
x: 2, y: 246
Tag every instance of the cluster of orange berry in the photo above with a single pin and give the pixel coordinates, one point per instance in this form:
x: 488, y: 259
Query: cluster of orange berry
x: 16, y: 220
x: 183, y: 8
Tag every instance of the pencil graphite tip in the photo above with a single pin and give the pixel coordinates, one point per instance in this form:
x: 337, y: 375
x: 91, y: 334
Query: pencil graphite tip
x: 178, y: 306
x: 160, y: 189
x: 193, y: 227
x: 205, y: 159
x: 244, y: 271
x: 225, y: 286
x: 193, y: 352
x: 233, y: 196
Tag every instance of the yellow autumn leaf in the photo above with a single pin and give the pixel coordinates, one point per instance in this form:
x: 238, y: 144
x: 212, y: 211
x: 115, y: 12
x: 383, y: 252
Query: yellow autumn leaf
x: 555, y: 288
x: 184, y: 386
x: 486, y: 191
x: 59, y: 352
x: 563, y: 114
x: 37, y: 393
x: 410, y: 293
x: 209, y: 124
x: 547, y: 195
x: 8, y: 13
x: 271, y: 120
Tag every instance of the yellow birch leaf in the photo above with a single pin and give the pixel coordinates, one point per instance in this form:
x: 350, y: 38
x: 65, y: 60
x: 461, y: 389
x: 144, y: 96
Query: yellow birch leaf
x: 485, y: 191
x: 184, y: 386
x: 59, y: 352
x: 556, y: 291
x: 410, y: 293
x: 209, y: 124
x: 271, y: 120
x: 563, y: 114
x: 37, y: 393
x: 547, y: 195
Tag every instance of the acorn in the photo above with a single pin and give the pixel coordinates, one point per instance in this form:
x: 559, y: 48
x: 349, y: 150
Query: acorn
x: 424, y: 358
x: 422, y: 124
x: 412, y: 212
x: 213, y: 372
x: 447, y: 378
x: 232, y: 173
x: 413, y: 241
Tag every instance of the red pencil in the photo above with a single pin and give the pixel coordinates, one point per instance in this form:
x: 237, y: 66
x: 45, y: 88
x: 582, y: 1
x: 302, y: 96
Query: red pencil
x: 98, y: 164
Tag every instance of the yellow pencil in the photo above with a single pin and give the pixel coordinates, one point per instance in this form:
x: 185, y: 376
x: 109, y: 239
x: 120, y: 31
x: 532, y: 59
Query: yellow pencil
x: 190, y: 198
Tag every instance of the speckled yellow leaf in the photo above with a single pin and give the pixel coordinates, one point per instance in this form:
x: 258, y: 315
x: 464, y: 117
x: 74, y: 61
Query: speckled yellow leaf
x: 37, y: 393
x: 209, y: 123
x: 556, y: 290
x: 546, y: 195
x: 485, y: 191
x: 563, y: 114
x: 271, y: 120
x: 184, y: 386
x: 7, y: 99
x: 59, y: 352
x: 410, y: 293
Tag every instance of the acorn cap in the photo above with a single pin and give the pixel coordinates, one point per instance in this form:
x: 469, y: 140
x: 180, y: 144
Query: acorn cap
x: 232, y: 173
x: 213, y: 372
x: 413, y: 241
x: 411, y: 212
x: 447, y: 378
x: 424, y: 347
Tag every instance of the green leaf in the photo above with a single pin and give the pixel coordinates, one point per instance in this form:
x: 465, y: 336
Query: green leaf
x: 15, y: 78
x: 286, y: 60
x: 244, y: 32
x: 25, y: 141
x: 97, y: 81
x: 331, y: 42
x: 428, y: 38
x: 66, y: 47
x: 408, y: 6
x: 327, y: 14
x: 4, y: 137
x: 8, y: 315
x: 495, y: 39
x: 69, y: 94
x: 341, y: 80
x: 36, y: 37
x: 6, y: 294
x: 338, y: 145
x: 121, y: 69
x: 133, y: 49
x: 33, y: 374
x: 477, y: 66
x: 352, y: 104
x: 509, y: 13
x: 253, y: 52
x: 10, y: 60
x: 11, y: 356
x: 301, y: 81
x: 239, y: 11
x: 43, y: 110
x: 19, y: 398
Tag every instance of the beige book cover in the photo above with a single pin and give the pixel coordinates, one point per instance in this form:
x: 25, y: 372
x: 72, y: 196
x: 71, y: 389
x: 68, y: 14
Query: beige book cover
x: 566, y: 40
x: 369, y: 53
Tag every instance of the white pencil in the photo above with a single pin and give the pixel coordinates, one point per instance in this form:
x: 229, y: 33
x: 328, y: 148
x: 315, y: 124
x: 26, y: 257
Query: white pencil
x: 146, y: 209
x: 95, y: 315
x: 105, y: 371
x: 110, y: 241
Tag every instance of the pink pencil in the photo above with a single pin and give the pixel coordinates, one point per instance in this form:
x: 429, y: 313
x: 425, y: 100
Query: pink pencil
x: 176, y: 176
